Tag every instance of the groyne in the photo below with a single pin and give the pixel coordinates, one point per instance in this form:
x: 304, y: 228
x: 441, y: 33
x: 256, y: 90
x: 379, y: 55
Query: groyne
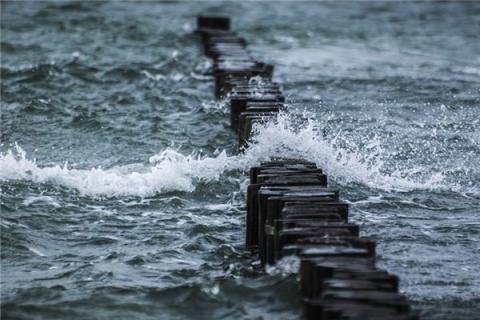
x: 290, y: 208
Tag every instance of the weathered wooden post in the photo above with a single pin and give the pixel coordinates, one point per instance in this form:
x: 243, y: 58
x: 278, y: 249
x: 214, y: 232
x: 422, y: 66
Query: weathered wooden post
x: 290, y: 209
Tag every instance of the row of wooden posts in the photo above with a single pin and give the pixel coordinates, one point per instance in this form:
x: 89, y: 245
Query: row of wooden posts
x: 290, y: 209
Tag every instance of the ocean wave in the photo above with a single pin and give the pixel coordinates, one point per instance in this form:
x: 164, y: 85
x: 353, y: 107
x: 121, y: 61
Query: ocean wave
x: 373, y: 165
x: 170, y: 170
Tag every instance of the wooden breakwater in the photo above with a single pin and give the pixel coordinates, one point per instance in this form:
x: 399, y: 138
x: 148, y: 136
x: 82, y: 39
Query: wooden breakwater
x: 290, y: 209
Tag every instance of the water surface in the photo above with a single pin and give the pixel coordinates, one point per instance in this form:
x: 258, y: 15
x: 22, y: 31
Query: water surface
x: 122, y: 190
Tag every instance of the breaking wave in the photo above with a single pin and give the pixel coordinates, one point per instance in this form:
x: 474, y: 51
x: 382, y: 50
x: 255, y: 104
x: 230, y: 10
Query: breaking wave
x: 169, y: 170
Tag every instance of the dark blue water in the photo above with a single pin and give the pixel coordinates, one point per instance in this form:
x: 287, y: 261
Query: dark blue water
x: 122, y: 191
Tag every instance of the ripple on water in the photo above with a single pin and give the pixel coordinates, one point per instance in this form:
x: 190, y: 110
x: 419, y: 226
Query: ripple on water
x: 112, y: 216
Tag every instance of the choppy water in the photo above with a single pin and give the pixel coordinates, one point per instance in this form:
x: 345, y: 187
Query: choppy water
x: 122, y: 188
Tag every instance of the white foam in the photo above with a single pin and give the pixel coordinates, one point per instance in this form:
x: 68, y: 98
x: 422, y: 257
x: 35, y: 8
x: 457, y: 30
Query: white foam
x: 346, y: 165
x: 170, y: 170
x: 37, y: 252
x: 42, y: 199
x: 286, y: 266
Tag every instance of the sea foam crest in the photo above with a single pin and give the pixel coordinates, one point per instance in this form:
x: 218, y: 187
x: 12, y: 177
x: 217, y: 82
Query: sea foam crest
x: 367, y: 167
x: 169, y: 170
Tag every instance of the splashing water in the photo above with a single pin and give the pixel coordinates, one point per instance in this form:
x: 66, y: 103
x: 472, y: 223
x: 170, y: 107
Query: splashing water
x: 347, y: 164
x: 169, y: 170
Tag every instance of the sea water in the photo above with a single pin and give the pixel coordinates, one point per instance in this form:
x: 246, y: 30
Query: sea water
x: 123, y: 189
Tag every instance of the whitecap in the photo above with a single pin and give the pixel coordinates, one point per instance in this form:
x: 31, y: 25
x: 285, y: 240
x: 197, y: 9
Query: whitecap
x: 286, y: 266
x: 41, y: 199
x: 170, y: 170
x: 37, y: 252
